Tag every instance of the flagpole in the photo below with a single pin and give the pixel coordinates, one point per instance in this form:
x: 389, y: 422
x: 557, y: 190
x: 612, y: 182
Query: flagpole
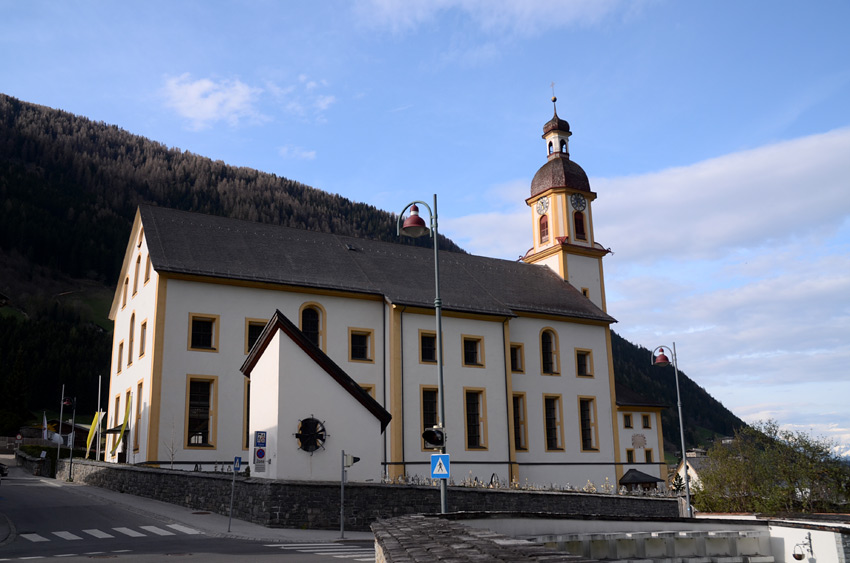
x: 97, y: 455
x: 59, y: 446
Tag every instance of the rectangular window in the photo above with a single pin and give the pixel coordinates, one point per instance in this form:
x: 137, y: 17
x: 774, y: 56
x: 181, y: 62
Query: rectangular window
x: 648, y: 456
x: 203, y: 332
x: 143, y: 337
x: 124, y: 292
x: 627, y: 421
x: 584, y: 363
x: 361, y: 348
x: 253, y: 329
x: 138, y: 422
x: 585, y: 292
x: 120, y: 357
x: 520, y: 426
x: 148, y: 268
x: 587, y: 423
x: 136, y: 274
x: 427, y: 347
x: 630, y: 456
x: 517, y: 360
x: 553, y: 416
x: 475, y: 408
x: 200, y: 412
x: 473, y: 351
x: 369, y: 389
x: 647, y: 421
x: 429, y: 409
x: 127, y: 404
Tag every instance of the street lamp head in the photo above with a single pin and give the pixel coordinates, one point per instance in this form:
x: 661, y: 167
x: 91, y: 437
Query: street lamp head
x: 661, y: 360
x: 414, y: 226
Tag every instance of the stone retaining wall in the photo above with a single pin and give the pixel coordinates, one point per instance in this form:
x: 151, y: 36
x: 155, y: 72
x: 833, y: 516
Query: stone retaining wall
x: 315, y: 505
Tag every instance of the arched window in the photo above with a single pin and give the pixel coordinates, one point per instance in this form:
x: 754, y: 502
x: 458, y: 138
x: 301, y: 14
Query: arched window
x: 311, y: 325
x: 130, y: 340
x: 136, y: 274
x: 544, y: 228
x: 578, y: 218
x: 563, y: 146
x: 549, y: 352
x: 550, y: 147
x: 124, y: 292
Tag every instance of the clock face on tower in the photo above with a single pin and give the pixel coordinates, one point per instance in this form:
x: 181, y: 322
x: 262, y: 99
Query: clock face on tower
x: 542, y: 206
x: 578, y: 202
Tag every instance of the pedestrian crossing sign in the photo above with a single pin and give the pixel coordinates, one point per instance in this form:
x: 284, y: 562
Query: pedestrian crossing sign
x: 440, y: 466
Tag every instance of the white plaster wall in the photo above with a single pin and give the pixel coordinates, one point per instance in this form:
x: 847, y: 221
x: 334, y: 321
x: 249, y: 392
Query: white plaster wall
x: 456, y: 377
x: 651, y: 435
x: 142, y: 303
x: 234, y: 304
x: 307, y: 390
x: 583, y: 271
x: 570, y: 387
x: 265, y: 402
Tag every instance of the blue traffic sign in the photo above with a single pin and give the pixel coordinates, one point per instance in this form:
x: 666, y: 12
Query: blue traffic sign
x: 440, y: 466
x: 237, y: 463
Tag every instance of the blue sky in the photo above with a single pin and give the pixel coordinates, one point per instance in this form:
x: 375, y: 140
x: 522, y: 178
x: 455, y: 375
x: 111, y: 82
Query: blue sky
x: 716, y: 135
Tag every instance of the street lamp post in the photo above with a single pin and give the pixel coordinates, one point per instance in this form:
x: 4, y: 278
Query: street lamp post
x: 414, y: 226
x: 661, y: 360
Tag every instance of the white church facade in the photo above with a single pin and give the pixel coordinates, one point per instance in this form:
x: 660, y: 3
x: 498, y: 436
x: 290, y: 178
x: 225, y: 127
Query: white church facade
x: 225, y: 328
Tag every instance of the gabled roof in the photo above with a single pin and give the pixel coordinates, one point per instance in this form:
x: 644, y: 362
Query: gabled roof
x: 635, y: 477
x: 628, y: 398
x: 279, y: 322
x: 204, y: 245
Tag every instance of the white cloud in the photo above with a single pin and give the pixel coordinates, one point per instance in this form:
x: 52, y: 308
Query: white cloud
x: 520, y: 16
x: 204, y: 102
x: 303, y: 99
x: 742, y: 260
x: 296, y: 153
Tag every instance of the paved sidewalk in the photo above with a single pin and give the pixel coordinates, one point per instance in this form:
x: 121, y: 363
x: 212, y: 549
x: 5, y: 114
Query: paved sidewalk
x: 211, y: 524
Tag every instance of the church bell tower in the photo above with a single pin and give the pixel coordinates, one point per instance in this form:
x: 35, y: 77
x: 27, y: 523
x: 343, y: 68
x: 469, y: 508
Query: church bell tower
x: 562, y: 218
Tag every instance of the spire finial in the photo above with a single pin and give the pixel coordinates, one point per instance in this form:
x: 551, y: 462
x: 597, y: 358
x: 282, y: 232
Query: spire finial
x: 554, y: 99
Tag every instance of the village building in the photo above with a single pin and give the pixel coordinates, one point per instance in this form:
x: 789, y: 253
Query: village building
x: 322, y: 343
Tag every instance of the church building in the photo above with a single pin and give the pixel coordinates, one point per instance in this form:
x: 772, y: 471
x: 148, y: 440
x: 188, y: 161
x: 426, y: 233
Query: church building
x: 229, y: 331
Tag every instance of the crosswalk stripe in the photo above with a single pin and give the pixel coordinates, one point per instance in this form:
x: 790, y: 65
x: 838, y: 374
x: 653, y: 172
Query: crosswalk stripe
x: 129, y: 532
x: 34, y: 537
x: 157, y: 531
x: 67, y: 535
x: 184, y: 529
x: 99, y: 534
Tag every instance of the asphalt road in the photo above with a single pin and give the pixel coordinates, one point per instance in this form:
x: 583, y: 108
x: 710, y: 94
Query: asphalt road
x: 48, y: 518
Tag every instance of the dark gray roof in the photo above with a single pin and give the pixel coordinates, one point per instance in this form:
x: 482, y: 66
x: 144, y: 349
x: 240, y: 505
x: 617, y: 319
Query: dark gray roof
x: 635, y: 477
x: 628, y: 398
x: 190, y: 243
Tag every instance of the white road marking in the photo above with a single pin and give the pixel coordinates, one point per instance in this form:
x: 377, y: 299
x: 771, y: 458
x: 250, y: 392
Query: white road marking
x: 67, y: 535
x: 99, y: 534
x: 184, y: 529
x: 157, y: 531
x: 34, y: 537
x: 129, y: 532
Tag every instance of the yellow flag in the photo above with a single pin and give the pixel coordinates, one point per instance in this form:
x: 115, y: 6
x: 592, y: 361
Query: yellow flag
x: 92, y: 432
x: 123, y: 426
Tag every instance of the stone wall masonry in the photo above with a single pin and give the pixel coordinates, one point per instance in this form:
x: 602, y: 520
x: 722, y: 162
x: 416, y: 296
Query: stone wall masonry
x: 315, y: 505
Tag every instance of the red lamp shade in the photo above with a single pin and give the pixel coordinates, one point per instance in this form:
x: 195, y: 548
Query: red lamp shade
x: 661, y: 360
x: 414, y: 226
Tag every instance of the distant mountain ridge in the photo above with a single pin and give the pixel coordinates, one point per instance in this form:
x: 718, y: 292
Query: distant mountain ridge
x: 70, y: 187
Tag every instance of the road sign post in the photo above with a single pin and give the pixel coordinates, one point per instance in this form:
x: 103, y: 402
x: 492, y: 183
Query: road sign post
x: 237, y: 463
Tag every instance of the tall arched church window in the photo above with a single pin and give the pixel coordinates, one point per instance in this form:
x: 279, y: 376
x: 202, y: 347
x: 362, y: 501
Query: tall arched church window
x: 549, y: 352
x: 131, y: 339
x: 563, y: 146
x: 311, y: 325
x: 578, y: 218
x: 544, y: 228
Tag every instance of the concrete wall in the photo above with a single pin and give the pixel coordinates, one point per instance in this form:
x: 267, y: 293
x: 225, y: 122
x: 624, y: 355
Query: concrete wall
x: 316, y: 505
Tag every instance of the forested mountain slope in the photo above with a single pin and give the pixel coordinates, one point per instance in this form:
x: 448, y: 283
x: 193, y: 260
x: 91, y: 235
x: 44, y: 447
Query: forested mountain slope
x: 70, y: 187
